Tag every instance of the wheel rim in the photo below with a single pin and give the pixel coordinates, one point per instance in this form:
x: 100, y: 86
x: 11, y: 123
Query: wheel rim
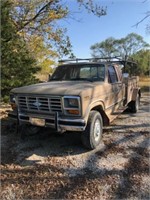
x: 97, y: 130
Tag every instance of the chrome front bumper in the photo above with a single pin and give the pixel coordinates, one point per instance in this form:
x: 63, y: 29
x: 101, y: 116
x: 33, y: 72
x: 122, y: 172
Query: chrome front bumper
x: 53, y: 121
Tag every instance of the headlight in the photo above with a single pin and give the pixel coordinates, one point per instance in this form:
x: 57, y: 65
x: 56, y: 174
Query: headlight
x: 71, y: 105
x: 12, y: 98
x: 13, y: 101
x: 71, y: 102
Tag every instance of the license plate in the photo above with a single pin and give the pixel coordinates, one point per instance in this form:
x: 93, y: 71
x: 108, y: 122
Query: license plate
x: 37, y: 121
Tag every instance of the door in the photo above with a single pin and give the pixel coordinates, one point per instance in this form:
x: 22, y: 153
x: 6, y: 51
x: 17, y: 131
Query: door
x: 117, y: 91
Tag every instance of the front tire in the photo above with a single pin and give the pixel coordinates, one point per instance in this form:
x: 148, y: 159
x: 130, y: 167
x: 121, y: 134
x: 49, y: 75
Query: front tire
x: 26, y: 130
x: 92, y: 135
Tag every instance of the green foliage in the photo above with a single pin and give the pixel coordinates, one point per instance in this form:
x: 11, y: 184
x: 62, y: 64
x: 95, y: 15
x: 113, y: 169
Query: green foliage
x: 143, y: 59
x: 124, y: 47
x: 37, y: 23
x: 41, y: 17
x: 131, y: 46
x: 17, y: 66
x: 105, y: 48
x: 31, y: 38
x: 42, y: 54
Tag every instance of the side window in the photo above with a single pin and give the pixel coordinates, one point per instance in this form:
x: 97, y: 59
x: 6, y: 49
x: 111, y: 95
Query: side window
x: 112, y: 76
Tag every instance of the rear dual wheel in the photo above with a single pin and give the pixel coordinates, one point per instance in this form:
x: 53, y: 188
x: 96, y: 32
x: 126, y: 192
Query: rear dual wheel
x: 92, y: 135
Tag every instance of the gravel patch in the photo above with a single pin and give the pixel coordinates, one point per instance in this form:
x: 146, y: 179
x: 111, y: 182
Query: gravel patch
x: 48, y: 166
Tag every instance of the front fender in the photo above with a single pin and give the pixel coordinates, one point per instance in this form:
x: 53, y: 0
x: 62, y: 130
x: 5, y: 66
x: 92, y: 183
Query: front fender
x: 99, y: 105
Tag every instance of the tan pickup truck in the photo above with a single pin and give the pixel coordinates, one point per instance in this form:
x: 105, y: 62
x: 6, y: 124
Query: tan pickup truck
x: 81, y: 95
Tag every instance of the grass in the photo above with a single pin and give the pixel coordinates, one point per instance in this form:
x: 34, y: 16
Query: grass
x: 144, y: 83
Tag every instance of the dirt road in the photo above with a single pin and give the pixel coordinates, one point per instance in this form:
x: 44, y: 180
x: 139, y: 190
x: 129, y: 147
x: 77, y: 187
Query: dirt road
x: 48, y: 166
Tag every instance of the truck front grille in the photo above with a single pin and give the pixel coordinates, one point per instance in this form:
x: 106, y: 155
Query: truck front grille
x: 40, y: 104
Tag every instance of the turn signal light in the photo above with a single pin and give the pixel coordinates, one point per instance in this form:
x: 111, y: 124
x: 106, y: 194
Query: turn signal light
x: 73, y: 112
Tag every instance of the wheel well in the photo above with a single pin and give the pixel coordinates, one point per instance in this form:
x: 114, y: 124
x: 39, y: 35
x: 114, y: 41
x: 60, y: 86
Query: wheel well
x: 133, y: 101
x: 103, y: 114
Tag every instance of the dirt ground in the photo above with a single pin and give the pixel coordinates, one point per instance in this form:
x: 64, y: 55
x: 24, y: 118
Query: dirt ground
x: 50, y: 166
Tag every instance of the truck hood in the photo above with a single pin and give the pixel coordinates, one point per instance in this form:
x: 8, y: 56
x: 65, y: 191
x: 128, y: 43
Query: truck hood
x: 56, y: 88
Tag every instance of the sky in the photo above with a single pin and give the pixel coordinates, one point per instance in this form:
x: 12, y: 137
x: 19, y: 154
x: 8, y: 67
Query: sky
x: 85, y: 29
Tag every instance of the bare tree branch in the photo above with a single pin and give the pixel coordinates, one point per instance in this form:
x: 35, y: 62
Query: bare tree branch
x: 147, y: 16
x: 144, y: 1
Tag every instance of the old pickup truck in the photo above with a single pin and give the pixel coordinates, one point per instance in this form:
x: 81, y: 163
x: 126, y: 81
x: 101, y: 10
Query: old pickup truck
x: 82, y: 95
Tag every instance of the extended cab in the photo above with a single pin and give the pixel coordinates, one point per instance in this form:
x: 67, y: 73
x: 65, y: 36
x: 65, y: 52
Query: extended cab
x: 80, y: 96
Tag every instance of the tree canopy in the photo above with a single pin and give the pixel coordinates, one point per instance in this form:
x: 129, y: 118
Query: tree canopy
x: 143, y: 59
x: 124, y: 47
x: 18, y: 66
x: 31, y: 38
x: 131, y: 46
x: 40, y: 18
x: 105, y: 48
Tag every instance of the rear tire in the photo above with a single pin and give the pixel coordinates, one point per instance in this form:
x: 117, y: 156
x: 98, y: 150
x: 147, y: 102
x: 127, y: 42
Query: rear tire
x: 134, y: 105
x: 92, y: 135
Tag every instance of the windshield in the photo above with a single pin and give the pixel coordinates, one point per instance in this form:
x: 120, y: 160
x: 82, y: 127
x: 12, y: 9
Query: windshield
x: 89, y: 72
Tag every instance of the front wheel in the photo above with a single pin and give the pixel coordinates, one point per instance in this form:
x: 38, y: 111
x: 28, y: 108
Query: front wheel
x: 92, y: 135
x: 26, y: 130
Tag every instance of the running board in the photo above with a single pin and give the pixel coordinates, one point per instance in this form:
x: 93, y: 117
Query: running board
x: 116, y: 113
